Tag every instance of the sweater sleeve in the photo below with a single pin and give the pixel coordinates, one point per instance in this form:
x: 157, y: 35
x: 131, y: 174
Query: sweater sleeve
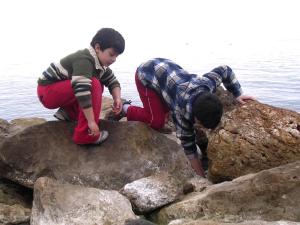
x: 225, y: 75
x: 109, y: 80
x: 81, y: 81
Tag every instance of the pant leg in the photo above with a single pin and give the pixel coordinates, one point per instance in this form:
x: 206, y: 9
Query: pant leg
x: 154, y: 110
x: 81, y: 132
x: 61, y: 94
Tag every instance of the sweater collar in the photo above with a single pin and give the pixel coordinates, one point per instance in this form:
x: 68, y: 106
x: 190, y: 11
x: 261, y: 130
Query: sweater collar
x: 97, y: 62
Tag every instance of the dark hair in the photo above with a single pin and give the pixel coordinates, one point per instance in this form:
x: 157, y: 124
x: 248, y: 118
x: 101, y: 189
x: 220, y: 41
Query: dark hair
x: 208, y: 109
x: 109, y: 38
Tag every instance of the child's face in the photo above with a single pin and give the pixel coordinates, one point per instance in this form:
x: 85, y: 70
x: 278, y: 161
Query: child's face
x: 198, y: 124
x: 106, y: 57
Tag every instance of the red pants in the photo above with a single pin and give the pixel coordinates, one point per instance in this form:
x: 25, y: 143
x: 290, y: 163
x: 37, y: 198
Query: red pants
x: 154, y: 111
x: 61, y: 94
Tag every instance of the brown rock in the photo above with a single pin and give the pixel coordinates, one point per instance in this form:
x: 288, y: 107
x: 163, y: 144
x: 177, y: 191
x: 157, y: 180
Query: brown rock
x: 251, y: 138
x: 106, y: 106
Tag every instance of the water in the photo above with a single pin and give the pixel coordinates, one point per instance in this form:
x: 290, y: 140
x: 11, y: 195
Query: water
x: 269, y: 71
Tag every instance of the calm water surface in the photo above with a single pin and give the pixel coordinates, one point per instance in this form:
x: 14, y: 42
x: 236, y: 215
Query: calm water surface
x: 271, y: 73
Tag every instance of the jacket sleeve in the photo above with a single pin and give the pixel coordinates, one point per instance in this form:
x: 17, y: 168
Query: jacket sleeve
x: 186, y: 134
x: 225, y: 75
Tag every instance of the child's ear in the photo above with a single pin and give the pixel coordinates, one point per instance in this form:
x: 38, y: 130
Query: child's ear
x: 97, y: 47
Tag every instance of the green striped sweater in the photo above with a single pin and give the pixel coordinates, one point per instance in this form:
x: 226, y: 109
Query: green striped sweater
x: 80, y: 67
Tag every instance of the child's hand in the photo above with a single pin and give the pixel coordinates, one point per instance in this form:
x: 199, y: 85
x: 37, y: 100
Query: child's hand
x: 117, y: 106
x: 243, y: 98
x: 93, y: 128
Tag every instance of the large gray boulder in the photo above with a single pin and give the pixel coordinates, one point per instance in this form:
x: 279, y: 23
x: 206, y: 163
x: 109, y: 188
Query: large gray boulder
x: 132, y: 151
x: 61, y: 204
x: 269, y: 195
x: 251, y: 222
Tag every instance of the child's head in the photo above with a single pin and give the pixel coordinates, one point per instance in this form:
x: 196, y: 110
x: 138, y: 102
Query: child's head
x: 208, y: 110
x: 109, y: 38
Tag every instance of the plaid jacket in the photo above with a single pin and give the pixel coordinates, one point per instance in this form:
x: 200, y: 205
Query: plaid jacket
x: 178, y: 89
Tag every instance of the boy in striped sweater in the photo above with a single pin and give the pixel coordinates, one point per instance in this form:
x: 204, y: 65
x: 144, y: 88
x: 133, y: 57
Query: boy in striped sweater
x: 75, y: 85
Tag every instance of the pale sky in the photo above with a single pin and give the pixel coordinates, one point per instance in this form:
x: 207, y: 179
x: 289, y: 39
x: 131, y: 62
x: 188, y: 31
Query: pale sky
x: 53, y: 28
x: 196, y: 34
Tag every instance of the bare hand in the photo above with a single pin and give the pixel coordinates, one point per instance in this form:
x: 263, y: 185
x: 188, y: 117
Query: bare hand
x: 117, y: 106
x: 243, y: 98
x: 93, y: 128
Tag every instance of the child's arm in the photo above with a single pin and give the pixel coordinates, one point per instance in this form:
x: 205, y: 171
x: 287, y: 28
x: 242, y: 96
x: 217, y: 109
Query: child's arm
x: 186, y: 134
x: 93, y: 126
x: 116, y: 94
x: 225, y: 75
x: 243, y: 98
x: 110, y: 81
x: 197, y: 166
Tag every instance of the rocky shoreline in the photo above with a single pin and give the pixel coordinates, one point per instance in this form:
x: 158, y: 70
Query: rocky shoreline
x: 141, y: 176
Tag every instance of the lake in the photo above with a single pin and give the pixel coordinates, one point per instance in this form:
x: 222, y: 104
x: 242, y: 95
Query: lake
x: 270, y: 72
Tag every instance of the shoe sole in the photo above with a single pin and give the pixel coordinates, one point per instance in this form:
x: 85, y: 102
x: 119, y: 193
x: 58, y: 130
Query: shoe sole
x: 103, y: 137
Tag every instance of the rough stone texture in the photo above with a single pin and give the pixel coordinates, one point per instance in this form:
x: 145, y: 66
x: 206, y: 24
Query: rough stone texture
x: 196, y: 184
x: 106, y: 106
x: 132, y: 151
x: 208, y: 222
x: 13, y: 214
x: 251, y: 138
x: 228, y: 100
x: 9, y: 128
x: 150, y: 193
x: 15, y: 203
x: 139, y: 221
x: 20, y: 124
x: 4, y: 130
x: 61, y: 204
x: 269, y: 195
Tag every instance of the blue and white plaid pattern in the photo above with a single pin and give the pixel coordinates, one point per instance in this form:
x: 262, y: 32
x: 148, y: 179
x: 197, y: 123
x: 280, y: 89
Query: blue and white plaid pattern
x: 179, y: 88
